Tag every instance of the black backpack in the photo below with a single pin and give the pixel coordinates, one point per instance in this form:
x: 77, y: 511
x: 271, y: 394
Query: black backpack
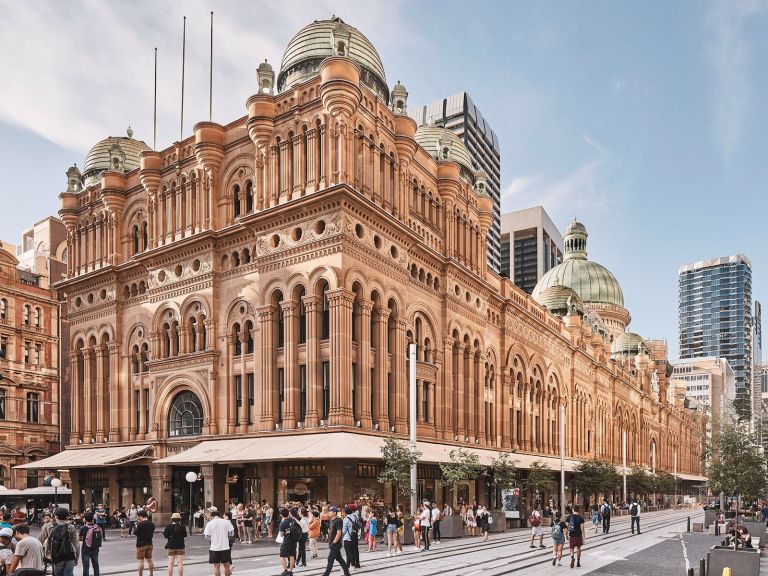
x: 357, y: 524
x: 633, y: 510
x: 60, y: 547
x: 294, y: 532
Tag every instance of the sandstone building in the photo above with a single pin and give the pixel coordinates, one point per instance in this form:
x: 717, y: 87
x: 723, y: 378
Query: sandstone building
x: 241, y: 305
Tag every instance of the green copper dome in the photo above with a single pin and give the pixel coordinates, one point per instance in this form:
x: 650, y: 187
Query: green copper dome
x: 324, y: 38
x: 592, y: 282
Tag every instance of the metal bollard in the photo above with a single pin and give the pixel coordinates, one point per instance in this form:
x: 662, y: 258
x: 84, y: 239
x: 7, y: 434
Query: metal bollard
x: 689, y: 524
x: 690, y: 572
x: 702, y: 567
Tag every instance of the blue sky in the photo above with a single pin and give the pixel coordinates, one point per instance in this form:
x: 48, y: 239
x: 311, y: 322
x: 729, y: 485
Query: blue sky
x: 646, y: 120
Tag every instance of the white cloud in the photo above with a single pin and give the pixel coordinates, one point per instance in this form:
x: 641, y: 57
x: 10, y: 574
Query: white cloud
x: 730, y: 54
x: 77, y: 72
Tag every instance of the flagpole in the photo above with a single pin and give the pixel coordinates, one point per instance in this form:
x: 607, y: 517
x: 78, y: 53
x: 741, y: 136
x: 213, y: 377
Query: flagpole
x: 183, y: 61
x: 154, y: 112
x: 210, y: 77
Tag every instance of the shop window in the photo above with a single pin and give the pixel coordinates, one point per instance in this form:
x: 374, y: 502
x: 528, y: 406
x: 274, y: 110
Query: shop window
x: 186, y: 415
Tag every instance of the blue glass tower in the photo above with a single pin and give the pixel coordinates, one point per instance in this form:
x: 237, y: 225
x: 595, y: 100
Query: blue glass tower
x: 715, y: 317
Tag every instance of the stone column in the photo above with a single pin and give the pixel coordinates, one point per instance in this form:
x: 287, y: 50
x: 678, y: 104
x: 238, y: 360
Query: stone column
x: 312, y: 307
x: 480, y: 387
x: 364, y: 363
x: 266, y: 314
x: 285, y: 172
x: 290, y: 412
x: 76, y: 403
x: 274, y: 176
x: 117, y: 402
x: 88, y: 396
x: 243, y: 413
x: 505, y: 393
x: 340, y: 303
x: 161, y: 491
x: 382, y: 373
x: 401, y: 376
x: 461, y: 428
x: 446, y: 407
x: 311, y: 151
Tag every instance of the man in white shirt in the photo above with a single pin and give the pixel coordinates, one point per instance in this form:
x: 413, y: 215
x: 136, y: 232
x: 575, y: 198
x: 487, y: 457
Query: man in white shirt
x: 436, y: 515
x: 218, y: 532
x: 425, y: 520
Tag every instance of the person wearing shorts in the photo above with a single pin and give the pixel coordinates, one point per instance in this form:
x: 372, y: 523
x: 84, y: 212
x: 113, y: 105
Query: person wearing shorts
x: 287, y: 545
x: 144, y: 532
x: 575, y: 524
x: 559, y: 529
x: 218, y: 532
x: 175, y: 534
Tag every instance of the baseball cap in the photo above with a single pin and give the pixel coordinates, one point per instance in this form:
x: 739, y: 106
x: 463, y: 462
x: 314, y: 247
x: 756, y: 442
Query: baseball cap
x: 333, y: 509
x: 213, y: 509
x: 6, y: 532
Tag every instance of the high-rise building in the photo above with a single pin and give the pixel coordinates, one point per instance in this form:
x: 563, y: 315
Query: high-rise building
x: 757, y: 359
x: 715, y: 317
x: 531, y: 245
x: 459, y: 114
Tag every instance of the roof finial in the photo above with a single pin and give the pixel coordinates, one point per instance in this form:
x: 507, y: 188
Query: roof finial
x: 129, y: 131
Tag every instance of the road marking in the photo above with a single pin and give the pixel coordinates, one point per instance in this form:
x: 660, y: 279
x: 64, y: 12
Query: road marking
x: 685, y: 554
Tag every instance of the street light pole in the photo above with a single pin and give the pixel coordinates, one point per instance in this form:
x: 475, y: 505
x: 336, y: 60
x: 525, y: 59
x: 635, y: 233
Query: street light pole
x: 562, y: 458
x: 191, y: 477
x: 624, y: 459
x: 412, y: 419
x: 56, y: 482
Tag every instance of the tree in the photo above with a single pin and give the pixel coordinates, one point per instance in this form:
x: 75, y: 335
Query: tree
x: 662, y: 483
x: 503, y: 474
x: 638, y: 481
x: 593, y: 477
x: 463, y: 467
x: 539, y: 479
x: 398, y: 459
x: 735, y: 464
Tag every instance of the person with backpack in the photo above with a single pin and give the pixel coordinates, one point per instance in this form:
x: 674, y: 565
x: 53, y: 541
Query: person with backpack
x: 634, y: 513
x: 348, y: 526
x: 605, y: 512
x: 175, y: 534
x: 559, y: 530
x: 288, y: 536
x: 61, y: 544
x: 534, y: 520
x: 576, y: 535
x: 354, y: 535
x: 91, y: 536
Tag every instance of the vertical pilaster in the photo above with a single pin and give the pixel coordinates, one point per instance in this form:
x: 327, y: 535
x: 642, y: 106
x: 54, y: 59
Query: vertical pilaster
x: 290, y: 413
x: 88, y: 396
x: 382, y: 380
x: 266, y: 314
x: 312, y: 307
x: 340, y: 303
x: 401, y: 376
x: 364, y: 363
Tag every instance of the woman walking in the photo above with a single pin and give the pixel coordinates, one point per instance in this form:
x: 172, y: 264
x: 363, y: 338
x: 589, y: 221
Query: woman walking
x: 482, y: 522
x: 471, y: 521
x: 595, y: 517
x: 373, y: 525
x: 391, y: 530
x: 240, y: 523
x: 175, y: 534
x: 314, y: 532
x: 559, y: 530
x: 301, y: 555
x: 325, y: 522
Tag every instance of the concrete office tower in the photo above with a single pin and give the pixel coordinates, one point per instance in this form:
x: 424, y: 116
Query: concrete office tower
x: 715, y: 317
x: 709, y: 385
x: 459, y: 114
x: 531, y: 245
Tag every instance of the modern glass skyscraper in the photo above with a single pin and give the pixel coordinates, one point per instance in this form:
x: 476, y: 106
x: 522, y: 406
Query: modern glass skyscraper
x: 715, y: 317
x: 459, y: 114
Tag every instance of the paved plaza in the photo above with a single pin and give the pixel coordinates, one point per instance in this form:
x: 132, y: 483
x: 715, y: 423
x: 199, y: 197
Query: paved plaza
x: 663, y: 549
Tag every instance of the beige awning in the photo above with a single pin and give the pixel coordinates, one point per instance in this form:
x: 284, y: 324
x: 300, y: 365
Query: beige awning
x: 691, y: 477
x: 329, y: 446
x: 90, y: 457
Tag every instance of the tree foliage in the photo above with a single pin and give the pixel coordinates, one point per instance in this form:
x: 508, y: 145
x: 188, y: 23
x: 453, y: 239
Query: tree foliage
x: 539, y: 478
x: 463, y: 467
x: 398, y: 459
x: 735, y: 464
x: 639, y: 481
x: 662, y: 483
x: 595, y: 476
x: 503, y: 474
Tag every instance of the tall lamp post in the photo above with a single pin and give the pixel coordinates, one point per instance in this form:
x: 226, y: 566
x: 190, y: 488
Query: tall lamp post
x: 191, y: 477
x: 56, y: 482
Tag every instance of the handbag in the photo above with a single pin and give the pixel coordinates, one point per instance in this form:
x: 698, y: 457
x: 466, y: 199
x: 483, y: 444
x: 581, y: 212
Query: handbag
x: 279, y: 539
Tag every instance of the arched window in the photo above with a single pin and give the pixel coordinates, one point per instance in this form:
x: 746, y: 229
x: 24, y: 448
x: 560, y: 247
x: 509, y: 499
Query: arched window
x: 33, y: 407
x: 325, y: 320
x: 2, y: 403
x: 248, y: 197
x: 144, y: 357
x: 236, y: 339
x: 166, y: 340
x: 135, y: 237
x: 236, y: 195
x: 3, y: 308
x: 38, y: 316
x: 144, y: 236
x: 2, y: 475
x: 186, y: 415
x: 27, y: 311
x: 192, y: 334
x: 249, y: 337
x: 135, y: 359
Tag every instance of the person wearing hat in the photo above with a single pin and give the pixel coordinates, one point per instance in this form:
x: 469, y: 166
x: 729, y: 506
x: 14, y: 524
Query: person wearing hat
x: 425, y: 522
x: 7, y: 548
x: 334, y: 543
x: 218, y: 531
x: 175, y: 534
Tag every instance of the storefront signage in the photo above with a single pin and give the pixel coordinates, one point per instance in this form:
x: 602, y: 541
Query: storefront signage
x: 511, y: 502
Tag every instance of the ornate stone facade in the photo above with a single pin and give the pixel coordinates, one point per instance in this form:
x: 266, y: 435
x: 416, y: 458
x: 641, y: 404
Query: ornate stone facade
x: 264, y: 277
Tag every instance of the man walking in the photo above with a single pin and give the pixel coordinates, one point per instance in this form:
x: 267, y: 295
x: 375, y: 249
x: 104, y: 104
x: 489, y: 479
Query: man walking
x: 576, y: 535
x: 133, y: 519
x: 348, y: 527
x: 145, y: 531
x: 605, y: 512
x: 287, y: 542
x: 634, y: 513
x: 535, y: 522
x: 61, y: 544
x: 425, y: 521
x: 334, y: 543
x: 28, y: 556
x: 90, y: 534
x: 218, y: 531
x: 436, y: 517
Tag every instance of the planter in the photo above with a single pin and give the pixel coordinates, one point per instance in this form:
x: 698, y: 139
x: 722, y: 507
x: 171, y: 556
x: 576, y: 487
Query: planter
x: 709, y: 516
x: 452, y: 527
x: 408, y: 534
x: 741, y: 562
x: 757, y: 531
x: 499, y: 522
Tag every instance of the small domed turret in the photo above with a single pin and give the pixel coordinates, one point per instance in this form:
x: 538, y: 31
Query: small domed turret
x: 399, y: 98
x: 265, y: 77
x: 561, y: 300
x: 74, y: 179
x: 443, y: 144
